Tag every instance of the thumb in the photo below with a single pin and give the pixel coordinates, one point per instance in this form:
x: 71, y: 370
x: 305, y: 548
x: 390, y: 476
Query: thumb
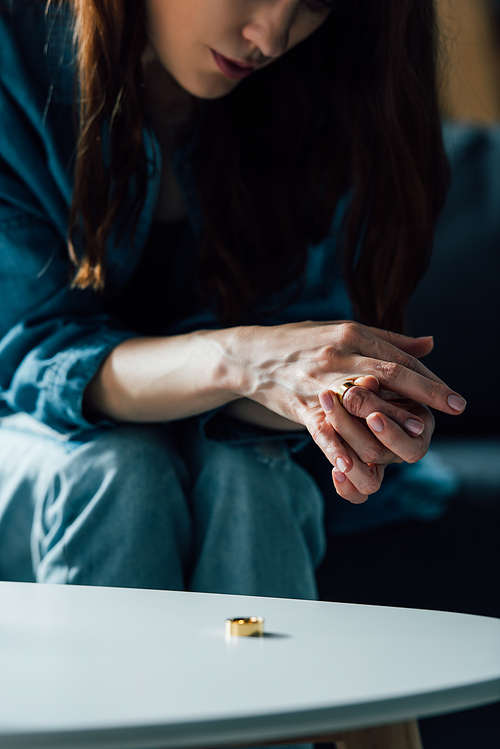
x: 369, y: 382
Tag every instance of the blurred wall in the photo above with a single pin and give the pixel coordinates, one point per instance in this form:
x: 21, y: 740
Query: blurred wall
x: 470, y: 33
x: 458, y: 299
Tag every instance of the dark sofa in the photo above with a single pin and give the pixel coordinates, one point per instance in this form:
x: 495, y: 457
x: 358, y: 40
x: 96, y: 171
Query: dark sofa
x: 451, y: 562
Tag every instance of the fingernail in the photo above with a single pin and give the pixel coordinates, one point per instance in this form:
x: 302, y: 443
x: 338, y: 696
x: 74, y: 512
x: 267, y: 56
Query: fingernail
x: 375, y: 422
x: 422, y: 337
x: 456, y: 402
x: 414, y: 427
x: 338, y: 476
x: 326, y: 401
x: 341, y: 464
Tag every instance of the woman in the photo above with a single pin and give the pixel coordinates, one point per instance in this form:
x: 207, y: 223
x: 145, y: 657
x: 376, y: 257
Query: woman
x: 157, y: 372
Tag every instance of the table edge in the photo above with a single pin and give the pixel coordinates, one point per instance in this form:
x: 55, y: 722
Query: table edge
x: 249, y: 730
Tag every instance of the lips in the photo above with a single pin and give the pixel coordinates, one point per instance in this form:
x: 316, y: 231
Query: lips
x: 230, y: 68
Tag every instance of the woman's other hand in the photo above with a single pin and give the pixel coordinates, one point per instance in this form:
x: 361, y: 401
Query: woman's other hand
x: 286, y: 367
x: 368, y: 445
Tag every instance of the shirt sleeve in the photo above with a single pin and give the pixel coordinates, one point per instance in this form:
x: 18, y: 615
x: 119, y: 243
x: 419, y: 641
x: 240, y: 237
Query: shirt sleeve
x: 53, y: 339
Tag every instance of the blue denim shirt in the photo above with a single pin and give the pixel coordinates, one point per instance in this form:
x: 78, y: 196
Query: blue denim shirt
x: 54, y: 338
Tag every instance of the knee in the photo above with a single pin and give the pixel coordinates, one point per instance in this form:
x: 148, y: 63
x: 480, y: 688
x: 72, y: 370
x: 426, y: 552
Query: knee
x: 260, y: 479
x: 130, y: 453
x: 115, y: 513
x: 262, y: 513
x: 129, y: 467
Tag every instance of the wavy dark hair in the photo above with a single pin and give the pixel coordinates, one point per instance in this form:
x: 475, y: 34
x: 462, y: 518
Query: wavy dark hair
x: 352, y: 108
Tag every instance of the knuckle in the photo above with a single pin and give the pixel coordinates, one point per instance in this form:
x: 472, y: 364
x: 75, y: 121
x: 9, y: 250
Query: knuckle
x: 391, y: 370
x: 354, y: 400
x: 369, y: 485
x: 372, y: 455
x: 369, y: 482
x: 322, y: 435
x: 394, y: 338
x: 322, y: 356
x: 318, y: 429
x: 415, y: 455
x: 407, y: 361
x: 349, y: 332
x: 435, y: 391
x: 317, y: 433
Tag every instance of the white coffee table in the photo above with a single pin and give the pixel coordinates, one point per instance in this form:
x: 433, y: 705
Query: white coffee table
x: 113, y: 668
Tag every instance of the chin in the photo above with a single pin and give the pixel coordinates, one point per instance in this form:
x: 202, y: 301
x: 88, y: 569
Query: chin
x: 209, y: 87
x: 218, y: 95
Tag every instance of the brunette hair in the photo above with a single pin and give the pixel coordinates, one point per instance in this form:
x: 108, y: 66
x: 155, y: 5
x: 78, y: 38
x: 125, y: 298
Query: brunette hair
x: 352, y: 109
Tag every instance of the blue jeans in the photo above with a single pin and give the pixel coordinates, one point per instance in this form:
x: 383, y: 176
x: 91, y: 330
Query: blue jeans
x: 156, y: 506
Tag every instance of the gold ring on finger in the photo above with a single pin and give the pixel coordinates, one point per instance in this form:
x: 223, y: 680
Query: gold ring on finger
x: 343, y: 390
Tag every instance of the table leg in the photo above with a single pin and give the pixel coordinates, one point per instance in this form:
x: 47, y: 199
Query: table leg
x: 399, y: 736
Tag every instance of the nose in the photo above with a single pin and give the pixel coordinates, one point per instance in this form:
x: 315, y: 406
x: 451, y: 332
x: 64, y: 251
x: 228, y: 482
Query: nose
x: 270, y: 25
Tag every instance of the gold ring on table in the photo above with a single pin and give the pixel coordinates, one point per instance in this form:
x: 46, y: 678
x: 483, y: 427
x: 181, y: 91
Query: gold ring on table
x: 343, y: 390
x: 246, y: 626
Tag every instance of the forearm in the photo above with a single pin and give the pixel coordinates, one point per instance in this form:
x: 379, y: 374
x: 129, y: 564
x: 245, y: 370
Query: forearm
x: 165, y: 378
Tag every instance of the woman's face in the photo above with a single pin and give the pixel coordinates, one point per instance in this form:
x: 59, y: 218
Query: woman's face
x: 191, y: 38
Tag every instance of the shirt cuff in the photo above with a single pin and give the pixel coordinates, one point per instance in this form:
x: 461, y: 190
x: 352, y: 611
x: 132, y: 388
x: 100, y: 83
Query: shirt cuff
x: 65, y: 381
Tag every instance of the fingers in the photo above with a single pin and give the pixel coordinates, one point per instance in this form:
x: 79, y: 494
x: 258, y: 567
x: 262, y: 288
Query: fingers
x: 329, y: 442
x: 381, y: 355
x: 360, y: 469
x: 417, y: 347
x: 345, y: 487
x: 353, y: 432
x: 352, y: 479
x: 361, y: 475
x: 406, y: 431
x: 408, y: 377
x: 361, y: 402
x: 364, y: 479
x: 368, y: 382
x: 411, y: 449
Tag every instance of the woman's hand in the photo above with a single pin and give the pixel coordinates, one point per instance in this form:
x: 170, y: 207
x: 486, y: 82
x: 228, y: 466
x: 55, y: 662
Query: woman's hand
x: 286, y: 367
x: 367, y: 446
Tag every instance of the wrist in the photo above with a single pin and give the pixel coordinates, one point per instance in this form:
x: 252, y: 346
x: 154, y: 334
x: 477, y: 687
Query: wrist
x: 232, y: 372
